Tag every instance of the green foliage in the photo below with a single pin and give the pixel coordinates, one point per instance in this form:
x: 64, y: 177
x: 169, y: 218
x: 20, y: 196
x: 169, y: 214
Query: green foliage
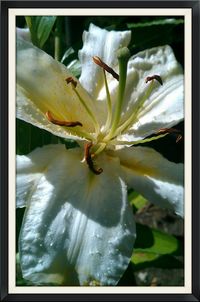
x: 152, y: 33
x: 40, y: 28
x: 137, y: 200
x: 156, y: 249
x: 168, y: 21
x: 154, y: 241
x: 30, y: 137
x: 75, y: 68
x: 67, y: 54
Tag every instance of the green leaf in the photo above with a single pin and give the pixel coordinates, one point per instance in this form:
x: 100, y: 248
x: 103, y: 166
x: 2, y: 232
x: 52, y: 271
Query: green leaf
x: 154, y: 241
x: 19, y: 279
x: 171, y: 21
x: 137, y: 200
x: 67, y: 53
x: 139, y: 257
x: 75, y: 68
x: 145, y: 260
x: 154, y: 248
x: 40, y: 28
x: 30, y: 137
x: 157, y: 32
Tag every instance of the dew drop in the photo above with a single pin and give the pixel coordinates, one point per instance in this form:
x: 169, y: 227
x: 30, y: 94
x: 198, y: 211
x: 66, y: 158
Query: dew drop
x: 98, y: 253
x: 97, y: 236
x: 108, y: 270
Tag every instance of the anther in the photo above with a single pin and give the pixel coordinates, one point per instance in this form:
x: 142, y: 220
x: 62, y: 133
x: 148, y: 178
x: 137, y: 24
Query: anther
x: 154, y: 77
x: 107, y: 68
x: 72, y: 81
x: 88, y: 158
x: 61, y: 123
x: 173, y: 131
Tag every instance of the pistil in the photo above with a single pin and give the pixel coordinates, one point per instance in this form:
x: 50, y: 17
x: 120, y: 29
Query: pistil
x: 89, y: 161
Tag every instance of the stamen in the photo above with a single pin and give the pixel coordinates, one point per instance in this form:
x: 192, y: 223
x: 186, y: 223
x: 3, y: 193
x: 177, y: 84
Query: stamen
x: 72, y: 81
x: 154, y: 77
x: 99, y: 149
x: 74, y: 84
x: 179, y: 138
x: 142, y: 141
x: 99, y: 62
x: 109, y: 104
x: 61, y: 123
x: 172, y: 130
x: 133, y: 116
x: 88, y: 158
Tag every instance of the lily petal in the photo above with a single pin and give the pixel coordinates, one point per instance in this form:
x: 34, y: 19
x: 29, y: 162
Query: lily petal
x: 28, y: 112
x: 150, y: 174
x: 24, y: 33
x: 165, y: 106
x: 76, y: 228
x: 102, y: 43
x: 42, y: 81
x: 30, y: 171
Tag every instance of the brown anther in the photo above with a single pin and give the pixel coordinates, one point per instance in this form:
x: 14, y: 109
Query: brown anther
x: 171, y: 130
x: 61, y: 123
x: 154, y: 77
x: 72, y: 81
x: 88, y: 158
x: 179, y: 138
x: 99, y: 62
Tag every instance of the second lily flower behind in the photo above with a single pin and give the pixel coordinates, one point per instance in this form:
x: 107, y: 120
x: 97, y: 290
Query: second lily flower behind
x: 78, y: 226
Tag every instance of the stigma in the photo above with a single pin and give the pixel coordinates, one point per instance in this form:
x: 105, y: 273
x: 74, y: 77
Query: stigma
x: 89, y: 161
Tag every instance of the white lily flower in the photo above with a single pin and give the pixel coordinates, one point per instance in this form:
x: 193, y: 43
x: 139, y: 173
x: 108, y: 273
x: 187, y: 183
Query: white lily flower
x: 78, y: 227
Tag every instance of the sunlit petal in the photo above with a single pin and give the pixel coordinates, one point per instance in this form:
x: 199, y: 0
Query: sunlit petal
x: 165, y: 105
x: 102, y: 43
x: 30, y: 170
x: 70, y: 233
x: 30, y: 113
x: 42, y: 80
x: 24, y: 33
x: 157, y: 179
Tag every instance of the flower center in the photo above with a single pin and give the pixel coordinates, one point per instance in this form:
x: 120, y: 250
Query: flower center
x: 113, y: 125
